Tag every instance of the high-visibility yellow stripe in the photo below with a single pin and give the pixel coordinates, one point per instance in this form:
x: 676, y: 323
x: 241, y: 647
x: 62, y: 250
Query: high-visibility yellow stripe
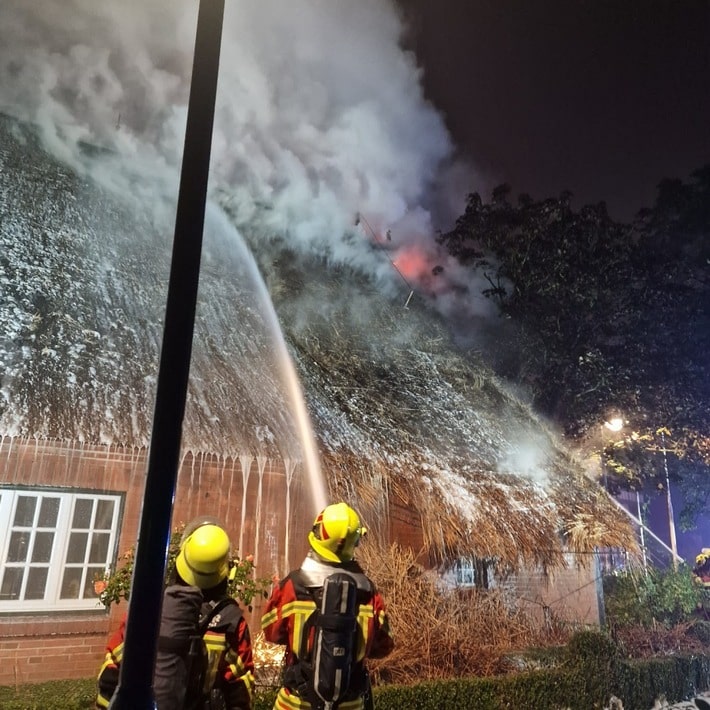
x: 290, y: 609
x: 296, y: 607
x: 290, y: 701
x: 249, y: 682
x: 367, y: 611
x: 107, y: 662
x: 118, y: 653
x: 301, y: 612
x: 287, y: 701
x: 269, y: 618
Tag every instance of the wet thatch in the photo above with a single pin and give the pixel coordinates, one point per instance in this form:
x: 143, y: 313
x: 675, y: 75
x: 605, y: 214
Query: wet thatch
x: 398, y: 411
x: 84, y: 285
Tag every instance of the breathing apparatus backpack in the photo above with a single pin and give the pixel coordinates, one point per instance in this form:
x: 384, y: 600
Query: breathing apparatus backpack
x: 327, y: 671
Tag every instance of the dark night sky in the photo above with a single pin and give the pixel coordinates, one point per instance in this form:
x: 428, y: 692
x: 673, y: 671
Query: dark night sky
x: 601, y: 97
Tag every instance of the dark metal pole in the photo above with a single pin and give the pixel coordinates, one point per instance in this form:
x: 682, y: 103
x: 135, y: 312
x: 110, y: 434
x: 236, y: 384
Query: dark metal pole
x: 135, y: 688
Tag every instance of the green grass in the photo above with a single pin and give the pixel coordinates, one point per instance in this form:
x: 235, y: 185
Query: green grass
x: 54, y: 695
x: 75, y: 695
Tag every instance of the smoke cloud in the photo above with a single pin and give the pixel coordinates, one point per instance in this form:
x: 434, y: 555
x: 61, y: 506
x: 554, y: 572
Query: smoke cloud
x: 320, y: 117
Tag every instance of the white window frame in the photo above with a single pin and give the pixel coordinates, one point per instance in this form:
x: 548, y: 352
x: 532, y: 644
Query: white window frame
x: 62, y: 530
x: 464, y: 573
x: 464, y: 570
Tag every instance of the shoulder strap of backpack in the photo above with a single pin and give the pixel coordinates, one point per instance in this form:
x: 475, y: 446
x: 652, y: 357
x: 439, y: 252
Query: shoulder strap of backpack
x: 316, y: 594
x: 215, y: 608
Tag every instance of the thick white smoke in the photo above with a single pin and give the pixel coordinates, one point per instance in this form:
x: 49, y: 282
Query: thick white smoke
x: 320, y: 116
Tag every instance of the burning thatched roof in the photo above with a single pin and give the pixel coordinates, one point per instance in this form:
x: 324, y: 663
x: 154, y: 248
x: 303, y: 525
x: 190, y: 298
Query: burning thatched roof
x: 398, y: 408
x: 395, y: 406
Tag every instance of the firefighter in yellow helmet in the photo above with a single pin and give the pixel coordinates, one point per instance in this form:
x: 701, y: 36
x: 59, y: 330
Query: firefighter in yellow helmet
x: 196, y: 599
x: 701, y: 570
x: 288, y: 616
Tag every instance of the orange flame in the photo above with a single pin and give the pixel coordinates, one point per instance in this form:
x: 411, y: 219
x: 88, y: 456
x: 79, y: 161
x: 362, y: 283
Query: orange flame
x: 413, y: 262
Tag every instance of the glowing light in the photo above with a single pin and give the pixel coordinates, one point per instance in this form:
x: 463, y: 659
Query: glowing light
x: 615, y: 424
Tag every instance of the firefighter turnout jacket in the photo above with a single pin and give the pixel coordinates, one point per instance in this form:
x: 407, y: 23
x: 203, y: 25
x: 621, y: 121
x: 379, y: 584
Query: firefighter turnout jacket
x: 230, y: 664
x: 292, y: 602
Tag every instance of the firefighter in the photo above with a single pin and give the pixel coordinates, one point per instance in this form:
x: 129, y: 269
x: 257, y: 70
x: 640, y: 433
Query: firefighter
x: 336, y: 532
x: 701, y: 571
x: 201, y: 578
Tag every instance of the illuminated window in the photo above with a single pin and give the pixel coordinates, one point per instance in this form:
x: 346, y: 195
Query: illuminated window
x: 53, y: 545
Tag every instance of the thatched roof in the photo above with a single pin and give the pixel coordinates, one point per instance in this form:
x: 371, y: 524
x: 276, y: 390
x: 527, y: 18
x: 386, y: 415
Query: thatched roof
x: 396, y: 407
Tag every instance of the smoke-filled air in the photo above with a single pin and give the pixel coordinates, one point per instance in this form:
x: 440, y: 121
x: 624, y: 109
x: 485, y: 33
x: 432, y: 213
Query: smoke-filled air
x: 322, y: 132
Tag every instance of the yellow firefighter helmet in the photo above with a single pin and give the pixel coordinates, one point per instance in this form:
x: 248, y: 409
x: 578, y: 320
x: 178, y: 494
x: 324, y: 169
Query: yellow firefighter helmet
x: 203, y: 560
x: 336, y: 532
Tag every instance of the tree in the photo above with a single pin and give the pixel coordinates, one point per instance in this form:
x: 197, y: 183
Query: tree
x: 608, y: 314
x: 568, y: 273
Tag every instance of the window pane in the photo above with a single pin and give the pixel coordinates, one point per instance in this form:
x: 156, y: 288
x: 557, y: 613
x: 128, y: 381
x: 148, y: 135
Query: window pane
x: 42, y: 548
x: 104, y: 515
x: 48, y: 513
x: 465, y: 572
x: 71, y: 584
x: 25, y: 512
x: 82, y: 513
x: 99, y: 548
x: 92, y: 574
x: 36, y: 583
x: 11, y: 583
x: 19, y: 545
x: 77, y: 547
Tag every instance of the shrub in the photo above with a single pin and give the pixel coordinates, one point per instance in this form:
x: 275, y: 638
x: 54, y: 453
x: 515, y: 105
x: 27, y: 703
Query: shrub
x: 77, y: 695
x: 665, y: 597
x: 592, y: 658
x: 445, y: 632
x: 700, y: 629
x: 639, y: 684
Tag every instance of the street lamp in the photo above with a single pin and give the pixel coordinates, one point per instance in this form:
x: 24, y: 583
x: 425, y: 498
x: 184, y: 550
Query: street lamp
x: 614, y: 424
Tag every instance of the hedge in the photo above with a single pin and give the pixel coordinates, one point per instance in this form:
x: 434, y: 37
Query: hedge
x: 589, y: 672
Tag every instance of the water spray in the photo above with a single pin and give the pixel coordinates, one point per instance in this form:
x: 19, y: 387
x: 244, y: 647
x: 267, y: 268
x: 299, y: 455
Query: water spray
x: 674, y: 555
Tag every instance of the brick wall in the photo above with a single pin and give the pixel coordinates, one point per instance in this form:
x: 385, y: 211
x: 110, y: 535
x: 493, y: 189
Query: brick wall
x: 566, y: 594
